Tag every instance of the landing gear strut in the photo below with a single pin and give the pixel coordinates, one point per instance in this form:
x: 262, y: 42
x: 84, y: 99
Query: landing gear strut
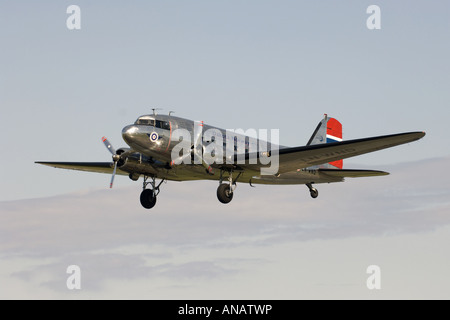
x: 312, y: 191
x: 225, y: 190
x: 148, y: 196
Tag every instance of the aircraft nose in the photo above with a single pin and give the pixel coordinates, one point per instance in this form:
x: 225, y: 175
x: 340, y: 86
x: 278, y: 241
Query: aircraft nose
x: 128, y: 132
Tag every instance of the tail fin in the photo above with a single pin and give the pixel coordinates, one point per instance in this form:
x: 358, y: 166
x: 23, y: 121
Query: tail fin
x: 328, y: 130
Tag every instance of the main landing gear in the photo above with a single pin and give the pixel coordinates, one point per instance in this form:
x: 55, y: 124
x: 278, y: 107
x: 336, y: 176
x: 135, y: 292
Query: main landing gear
x: 148, y: 196
x: 225, y: 193
x: 225, y: 190
x: 312, y: 191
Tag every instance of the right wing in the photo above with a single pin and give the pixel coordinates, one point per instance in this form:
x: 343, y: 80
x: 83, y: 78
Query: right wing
x: 100, y: 167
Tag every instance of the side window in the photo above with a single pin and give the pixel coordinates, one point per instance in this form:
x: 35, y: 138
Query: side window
x: 163, y: 124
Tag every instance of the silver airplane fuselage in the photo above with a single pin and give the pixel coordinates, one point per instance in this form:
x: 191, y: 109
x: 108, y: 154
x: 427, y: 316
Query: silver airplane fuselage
x: 152, y: 138
x: 139, y: 137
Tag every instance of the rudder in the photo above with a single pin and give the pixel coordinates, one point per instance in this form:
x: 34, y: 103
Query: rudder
x: 329, y: 130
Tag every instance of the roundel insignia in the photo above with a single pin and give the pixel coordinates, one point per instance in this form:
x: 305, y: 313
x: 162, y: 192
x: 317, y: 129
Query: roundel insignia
x: 154, y: 136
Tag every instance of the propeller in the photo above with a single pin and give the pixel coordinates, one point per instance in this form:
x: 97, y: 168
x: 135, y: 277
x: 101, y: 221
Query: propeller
x: 115, y: 158
x: 197, y: 150
x: 180, y: 159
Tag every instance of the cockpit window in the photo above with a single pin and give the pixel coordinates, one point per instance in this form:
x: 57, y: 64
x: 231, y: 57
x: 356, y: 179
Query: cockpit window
x: 146, y: 121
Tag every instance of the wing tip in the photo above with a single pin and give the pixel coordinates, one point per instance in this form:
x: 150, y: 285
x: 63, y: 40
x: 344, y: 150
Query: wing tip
x: 419, y: 134
x: 45, y: 163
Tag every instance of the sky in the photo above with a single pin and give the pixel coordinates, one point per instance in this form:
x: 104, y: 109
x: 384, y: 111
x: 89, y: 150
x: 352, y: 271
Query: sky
x: 233, y: 64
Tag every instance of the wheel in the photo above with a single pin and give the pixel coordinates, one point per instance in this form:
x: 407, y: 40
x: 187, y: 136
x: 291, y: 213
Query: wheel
x: 224, y: 194
x: 314, y: 193
x: 148, y: 199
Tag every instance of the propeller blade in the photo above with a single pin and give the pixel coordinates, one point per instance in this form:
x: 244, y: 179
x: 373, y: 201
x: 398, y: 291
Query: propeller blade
x: 115, y: 157
x: 198, y: 148
x: 198, y: 142
x: 209, y: 169
x: 198, y: 132
x: 180, y: 160
x: 113, y: 175
x: 109, y: 146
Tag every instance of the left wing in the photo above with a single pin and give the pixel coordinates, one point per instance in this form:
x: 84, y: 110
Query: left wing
x: 292, y: 159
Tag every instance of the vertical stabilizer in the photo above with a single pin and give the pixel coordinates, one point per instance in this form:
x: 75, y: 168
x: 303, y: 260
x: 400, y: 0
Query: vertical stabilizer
x: 329, y: 130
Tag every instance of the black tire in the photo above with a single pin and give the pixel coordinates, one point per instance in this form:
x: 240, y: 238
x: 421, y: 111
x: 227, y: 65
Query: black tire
x: 314, y: 193
x: 148, y: 199
x: 223, y: 193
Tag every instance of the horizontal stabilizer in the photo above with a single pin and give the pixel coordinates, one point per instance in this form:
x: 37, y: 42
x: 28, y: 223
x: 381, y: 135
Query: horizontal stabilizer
x: 352, y: 173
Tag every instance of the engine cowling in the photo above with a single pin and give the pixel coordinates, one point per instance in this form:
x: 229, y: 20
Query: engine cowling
x: 137, y: 164
x: 121, y: 162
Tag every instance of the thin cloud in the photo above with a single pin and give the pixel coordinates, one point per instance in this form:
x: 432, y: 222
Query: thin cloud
x: 111, y: 237
x: 188, y: 213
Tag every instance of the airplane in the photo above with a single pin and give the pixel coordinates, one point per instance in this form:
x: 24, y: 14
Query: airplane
x: 154, y: 152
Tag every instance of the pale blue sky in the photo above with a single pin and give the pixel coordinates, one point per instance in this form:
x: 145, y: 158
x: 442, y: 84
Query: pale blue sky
x: 234, y: 64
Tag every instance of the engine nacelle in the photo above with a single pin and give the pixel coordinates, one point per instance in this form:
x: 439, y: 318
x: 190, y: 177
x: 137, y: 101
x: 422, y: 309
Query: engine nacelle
x: 128, y: 162
x: 122, y: 150
x: 136, y: 164
x: 134, y: 176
